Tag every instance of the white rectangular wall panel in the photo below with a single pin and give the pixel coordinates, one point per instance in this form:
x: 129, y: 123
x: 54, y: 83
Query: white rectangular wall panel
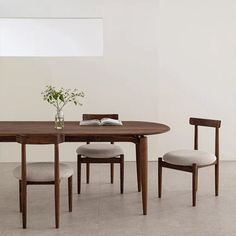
x: 51, y: 37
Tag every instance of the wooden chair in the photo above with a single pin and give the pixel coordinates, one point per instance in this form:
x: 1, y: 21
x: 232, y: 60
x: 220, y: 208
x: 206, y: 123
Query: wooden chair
x: 192, y: 160
x: 40, y: 173
x: 100, y: 153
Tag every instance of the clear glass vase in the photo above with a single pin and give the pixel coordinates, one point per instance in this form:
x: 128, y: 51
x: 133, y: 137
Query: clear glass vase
x: 59, y: 120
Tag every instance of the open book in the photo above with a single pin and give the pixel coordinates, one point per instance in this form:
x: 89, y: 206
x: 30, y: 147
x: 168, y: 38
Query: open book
x: 104, y: 121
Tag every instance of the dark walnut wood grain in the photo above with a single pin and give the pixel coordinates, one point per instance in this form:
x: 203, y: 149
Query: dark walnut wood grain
x: 130, y: 131
x: 194, y: 167
x: 73, y: 128
x: 100, y: 116
x: 74, y: 132
x: 41, y: 139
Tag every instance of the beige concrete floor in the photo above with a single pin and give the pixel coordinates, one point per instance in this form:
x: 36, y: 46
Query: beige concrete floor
x: 100, y: 210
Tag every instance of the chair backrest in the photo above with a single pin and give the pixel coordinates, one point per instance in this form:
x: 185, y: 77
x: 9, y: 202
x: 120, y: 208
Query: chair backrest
x: 25, y: 139
x: 100, y: 116
x: 207, y: 123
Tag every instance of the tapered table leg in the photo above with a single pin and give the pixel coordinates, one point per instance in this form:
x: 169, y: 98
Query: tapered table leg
x: 23, y: 186
x: 57, y: 187
x: 138, y: 167
x: 144, y: 170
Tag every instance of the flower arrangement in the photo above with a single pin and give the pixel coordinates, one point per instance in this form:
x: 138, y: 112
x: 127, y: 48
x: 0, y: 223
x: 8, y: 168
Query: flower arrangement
x: 59, y: 98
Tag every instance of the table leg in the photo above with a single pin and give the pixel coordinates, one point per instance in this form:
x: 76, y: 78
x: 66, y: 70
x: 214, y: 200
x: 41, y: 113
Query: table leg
x: 138, y: 167
x: 24, y: 186
x: 143, y: 148
x: 57, y: 186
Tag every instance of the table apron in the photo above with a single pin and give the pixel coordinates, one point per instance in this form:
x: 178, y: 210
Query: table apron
x: 132, y: 139
x: 78, y: 138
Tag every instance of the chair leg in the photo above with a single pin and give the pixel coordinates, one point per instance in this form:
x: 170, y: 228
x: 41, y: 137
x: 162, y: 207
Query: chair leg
x: 194, y: 183
x: 121, y: 174
x: 217, y: 179
x: 57, y: 204
x: 78, y: 174
x: 20, y: 199
x: 159, y: 177
x: 138, y: 167
x: 112, y: 173
x: 70, y: 193
x: 24, y: 203
x: 87, y: 172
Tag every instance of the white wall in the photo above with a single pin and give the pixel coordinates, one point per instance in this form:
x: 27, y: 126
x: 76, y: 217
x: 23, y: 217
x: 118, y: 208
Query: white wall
x: 163, y: 61
x: 197, y: 68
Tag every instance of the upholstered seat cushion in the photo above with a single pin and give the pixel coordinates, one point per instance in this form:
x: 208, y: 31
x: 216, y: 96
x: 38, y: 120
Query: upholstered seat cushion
x: 43, y: 171
x: 100, y: 150
x: 189, y: 157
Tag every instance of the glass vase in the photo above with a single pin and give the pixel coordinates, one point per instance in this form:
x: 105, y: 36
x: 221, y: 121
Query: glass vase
x: 59, y: 120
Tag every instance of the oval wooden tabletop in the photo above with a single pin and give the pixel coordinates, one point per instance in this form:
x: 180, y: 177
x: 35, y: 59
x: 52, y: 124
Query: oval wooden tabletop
x: 72, y: 128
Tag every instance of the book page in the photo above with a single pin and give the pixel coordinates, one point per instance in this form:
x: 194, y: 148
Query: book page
x: 90, y: 122
x: 109, y: 121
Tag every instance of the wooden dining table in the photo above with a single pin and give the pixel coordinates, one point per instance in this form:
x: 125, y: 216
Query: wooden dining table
x: 131, y: 131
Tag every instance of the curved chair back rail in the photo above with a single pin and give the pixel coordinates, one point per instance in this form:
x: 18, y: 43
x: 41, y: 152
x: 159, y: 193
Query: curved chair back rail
x: 100, y: 116
x: 205, y: 122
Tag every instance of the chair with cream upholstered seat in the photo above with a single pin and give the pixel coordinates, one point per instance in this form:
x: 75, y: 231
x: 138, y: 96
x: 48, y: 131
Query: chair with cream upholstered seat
x: 40, y: 173
x: 192, y: 160
x: 100, y: 153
